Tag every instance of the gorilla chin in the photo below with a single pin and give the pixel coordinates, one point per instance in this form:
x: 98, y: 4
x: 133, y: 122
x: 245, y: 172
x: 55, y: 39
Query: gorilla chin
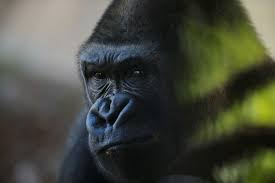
x: 137, y: 160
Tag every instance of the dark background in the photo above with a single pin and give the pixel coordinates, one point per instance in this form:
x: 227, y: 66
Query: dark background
x: 40, y: 93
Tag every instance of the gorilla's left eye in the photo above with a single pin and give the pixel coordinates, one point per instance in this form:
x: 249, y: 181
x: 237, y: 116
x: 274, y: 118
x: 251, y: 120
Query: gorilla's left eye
x: 137, y: 73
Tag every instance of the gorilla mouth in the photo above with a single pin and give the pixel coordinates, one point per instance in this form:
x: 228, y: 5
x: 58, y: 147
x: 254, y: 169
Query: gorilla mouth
x: 126, y: 143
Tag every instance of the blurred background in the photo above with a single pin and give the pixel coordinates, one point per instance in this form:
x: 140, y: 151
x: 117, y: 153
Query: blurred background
x: 39, y: 87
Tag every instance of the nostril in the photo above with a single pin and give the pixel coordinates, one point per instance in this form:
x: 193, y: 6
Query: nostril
x: 110, y: 110
x: 94, y: 121
x: 97, y: 114
x: 104, y: 108
x: 126, y: 113
x: 100, y: 123
x: 118, y: 103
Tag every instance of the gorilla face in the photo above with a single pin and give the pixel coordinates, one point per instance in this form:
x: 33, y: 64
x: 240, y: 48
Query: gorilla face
x: 132, y: 109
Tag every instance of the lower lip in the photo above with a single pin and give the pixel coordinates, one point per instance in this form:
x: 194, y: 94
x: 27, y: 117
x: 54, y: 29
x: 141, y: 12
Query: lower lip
x: 134, y: 142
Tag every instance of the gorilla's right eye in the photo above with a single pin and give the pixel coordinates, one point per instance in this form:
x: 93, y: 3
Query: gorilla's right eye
x: 99, y: 75
x: 137, y: 72
x: 91, y: 72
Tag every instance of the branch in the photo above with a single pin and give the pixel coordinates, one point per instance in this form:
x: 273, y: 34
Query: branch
x: 234, y: 91
x: 200, y: 160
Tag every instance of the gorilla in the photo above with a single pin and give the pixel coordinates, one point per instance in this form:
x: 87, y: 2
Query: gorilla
x: 149, y: 72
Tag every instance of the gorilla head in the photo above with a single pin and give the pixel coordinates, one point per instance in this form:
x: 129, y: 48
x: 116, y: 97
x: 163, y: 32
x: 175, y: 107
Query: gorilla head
x: 139, y: 73
x: 127, y: 79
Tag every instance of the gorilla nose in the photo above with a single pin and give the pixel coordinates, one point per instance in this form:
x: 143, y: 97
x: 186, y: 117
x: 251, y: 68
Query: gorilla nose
x: 113, y: 110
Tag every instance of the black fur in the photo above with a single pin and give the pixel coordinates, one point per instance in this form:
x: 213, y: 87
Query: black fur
x: 134, y: 128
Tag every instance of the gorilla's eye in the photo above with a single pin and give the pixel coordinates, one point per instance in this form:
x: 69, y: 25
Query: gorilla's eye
x: 90, y: 72
x: 137, y: 73
x: 100, y: 75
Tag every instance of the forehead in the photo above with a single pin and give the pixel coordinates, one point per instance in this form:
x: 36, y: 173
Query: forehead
x: 97, y: 52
